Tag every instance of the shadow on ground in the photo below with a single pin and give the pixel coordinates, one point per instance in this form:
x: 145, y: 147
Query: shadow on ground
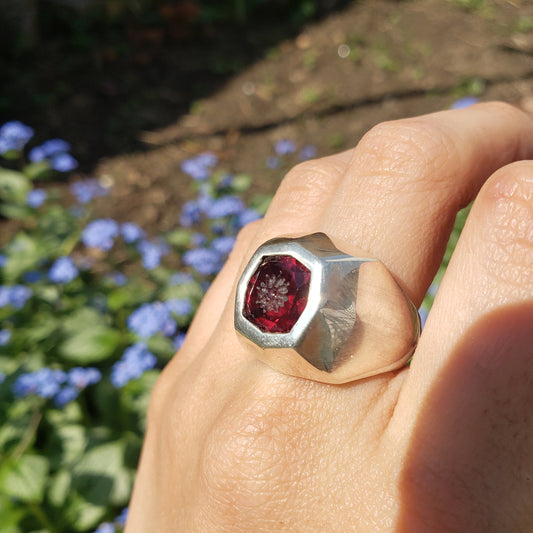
x: 102, y: 81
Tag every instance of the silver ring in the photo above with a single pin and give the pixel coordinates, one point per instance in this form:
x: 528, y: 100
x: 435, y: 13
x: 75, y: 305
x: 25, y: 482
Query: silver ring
x: 320, y: 314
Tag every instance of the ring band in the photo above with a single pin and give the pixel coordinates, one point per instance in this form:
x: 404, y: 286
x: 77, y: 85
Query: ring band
x: 320, y: 314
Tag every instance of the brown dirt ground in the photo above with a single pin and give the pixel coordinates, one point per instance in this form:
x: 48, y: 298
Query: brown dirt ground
x: 404, y: 58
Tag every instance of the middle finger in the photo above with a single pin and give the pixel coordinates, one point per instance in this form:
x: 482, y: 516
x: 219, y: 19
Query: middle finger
x: 408, y: 178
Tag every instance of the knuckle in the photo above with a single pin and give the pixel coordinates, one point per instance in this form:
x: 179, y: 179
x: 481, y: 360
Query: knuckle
x: 304, y: 184
x: 506, y: 206
x: 407, y: 150
x: 504, y: 108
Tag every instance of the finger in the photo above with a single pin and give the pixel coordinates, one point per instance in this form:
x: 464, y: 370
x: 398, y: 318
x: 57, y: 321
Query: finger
x: 491, y: 269
x: 408, y: 178
x: 465, y: 408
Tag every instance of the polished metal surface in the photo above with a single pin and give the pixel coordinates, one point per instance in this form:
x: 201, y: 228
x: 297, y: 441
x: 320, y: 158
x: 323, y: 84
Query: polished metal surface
x: 357, y: 322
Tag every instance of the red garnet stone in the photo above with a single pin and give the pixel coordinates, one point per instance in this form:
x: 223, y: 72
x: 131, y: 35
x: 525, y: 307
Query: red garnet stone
x: 277, y: 293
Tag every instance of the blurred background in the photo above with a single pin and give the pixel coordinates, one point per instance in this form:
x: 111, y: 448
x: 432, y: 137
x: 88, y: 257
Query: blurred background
x: 138, y: 85
x: 136, y: 138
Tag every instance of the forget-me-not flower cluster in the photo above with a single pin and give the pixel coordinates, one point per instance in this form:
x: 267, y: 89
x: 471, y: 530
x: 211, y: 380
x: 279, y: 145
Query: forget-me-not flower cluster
x: 285, y: 147
x: 152, y: 252
x: 14, y: 135
x: 36, y: 197
x: 135, y: 361
x: 201, y: 166
x: 5, y: 336
x: 14, y: 295
x: 204, y: 260
x: 63, y: 270
x: 85, y: 190
x: 131, y: 232
x: 56, y: 152
x: 62, y: 387
x: 100, y: 233
x: 151, y: 318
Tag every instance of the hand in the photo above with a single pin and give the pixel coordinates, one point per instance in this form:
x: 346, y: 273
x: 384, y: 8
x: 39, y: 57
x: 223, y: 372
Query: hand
x: 444, y: 445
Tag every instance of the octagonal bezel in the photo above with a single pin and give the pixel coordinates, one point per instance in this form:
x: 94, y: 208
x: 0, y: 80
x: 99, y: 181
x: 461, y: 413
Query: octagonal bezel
x: 294, y: 337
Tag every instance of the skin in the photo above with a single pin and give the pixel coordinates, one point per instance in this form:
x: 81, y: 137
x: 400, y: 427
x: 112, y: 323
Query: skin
x: 445, y: 445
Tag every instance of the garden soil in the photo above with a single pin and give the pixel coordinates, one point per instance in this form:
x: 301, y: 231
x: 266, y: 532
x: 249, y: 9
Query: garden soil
x: 324, y: 84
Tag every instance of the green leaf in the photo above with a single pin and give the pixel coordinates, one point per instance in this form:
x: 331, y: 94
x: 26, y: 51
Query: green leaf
x: 14, y: 211
x: 241, y: 183
x: 260, y: 202
x: 82, y: 515
x: 40, y: 170
x: 128, y: 296
x: 81, y: 319
x: 12, y: 515
x: 24, y: 253
x: 179, y: 238
x: 101, y: 477
x: 59, y: 488
x: 25, y: 478
x: 73, y: 440
x: 161, y: 346
x: 90, y: 345
x: 193, y: 291
x: 14, y: 186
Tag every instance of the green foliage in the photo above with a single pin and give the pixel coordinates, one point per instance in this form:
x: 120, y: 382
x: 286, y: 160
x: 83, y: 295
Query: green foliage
x: 69, y: 448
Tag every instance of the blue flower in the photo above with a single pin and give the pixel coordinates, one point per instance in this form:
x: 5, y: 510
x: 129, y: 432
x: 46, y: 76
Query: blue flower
x: 86, y: 190
x: 200, y: 167
x: 152, y: 253
x: 131, y: 232
x: 45, y: 383
x: 225, y: 206
x: 247, y: 216
x: 272, y: 161
x: 63, y: 270
x: 135, y: 360
x: 81, y: 377
x: 15, y: 295
x: 423, y: 314
x: 179, y: 306
x: 180, y: 278
x: 66, y: 395
x: 63, y: 163
x: 149, y: 319
x: 100, y: 234
x: 178, y: 341
x: 204, y: 200
x: 467, y: 101
x: 36, y: 198
x: 122, y: 517
x: 433, y: 288
x: 48, y: 149
x: 208, y: 159
x: 14, y: 135
x: 5, y: 336
x: 198, y: 239
x: 203, y: 260
x: 190, y: 213
x: 2, y: 377
x: 105, y: 527
x: 118, y: 278
x: 285, y: 146
x: 307, y: 152
x: 3, y: 260
x: 225, y: 181
x: 223, y: 245
x: 32, y: 276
